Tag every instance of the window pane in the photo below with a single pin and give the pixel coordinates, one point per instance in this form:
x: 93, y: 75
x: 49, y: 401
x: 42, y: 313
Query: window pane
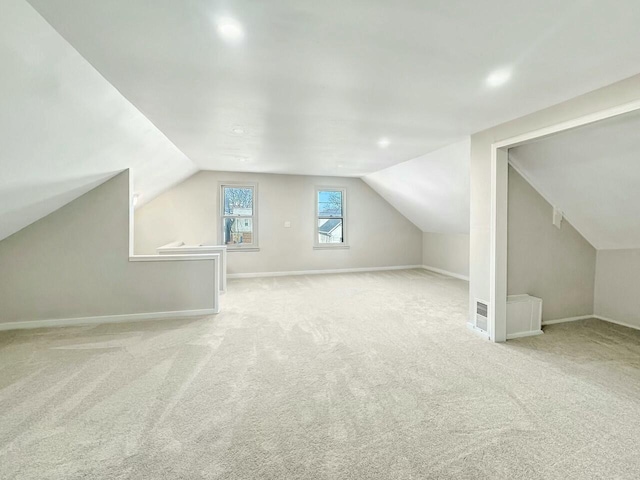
x: 329, y: 204
x: 238, y: 201
x: 238, y: 231
x: 329, y: 230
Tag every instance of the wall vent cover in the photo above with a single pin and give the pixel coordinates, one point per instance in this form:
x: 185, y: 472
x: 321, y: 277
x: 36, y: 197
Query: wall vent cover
x: 482, y: 315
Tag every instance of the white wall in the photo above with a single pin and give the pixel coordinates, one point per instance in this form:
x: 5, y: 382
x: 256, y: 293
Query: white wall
x: 557, y: 265
x: 592, y: 173
x: 613, y: 95
x: 64, y: 129
x: 617, y: 290
x: 377, y: 233
x: 446, y: 251
x: 432, y: 190
x: 75, y: 263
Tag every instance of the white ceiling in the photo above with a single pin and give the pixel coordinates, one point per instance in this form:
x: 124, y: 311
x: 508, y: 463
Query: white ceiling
x: 316, y: 84
x: 63, y: 128
x: 593, y: 175
x: 432, y: 190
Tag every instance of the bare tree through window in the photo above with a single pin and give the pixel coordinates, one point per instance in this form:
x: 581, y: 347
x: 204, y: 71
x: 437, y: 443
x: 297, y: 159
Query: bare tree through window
x: 238, y: 215
x: 330, y: 221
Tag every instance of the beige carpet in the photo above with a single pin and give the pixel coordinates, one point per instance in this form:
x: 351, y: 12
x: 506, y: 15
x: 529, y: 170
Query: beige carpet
x: 360, y: 376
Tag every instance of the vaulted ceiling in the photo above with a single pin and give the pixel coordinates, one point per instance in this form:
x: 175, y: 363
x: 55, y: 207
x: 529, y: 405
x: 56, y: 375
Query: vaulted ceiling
x: 315, y: 84
x: 592, y: 174
x: 432, y: 190
x: 311, y: 88
x: 64, y: 129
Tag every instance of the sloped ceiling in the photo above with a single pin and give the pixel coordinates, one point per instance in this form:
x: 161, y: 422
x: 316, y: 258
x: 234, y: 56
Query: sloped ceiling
x: 432, y: 190
x: 315, y: 84
x: 593, y: 175
x: 64, y: 129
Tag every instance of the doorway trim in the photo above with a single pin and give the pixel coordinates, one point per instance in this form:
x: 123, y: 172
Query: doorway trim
x: 499, y: 205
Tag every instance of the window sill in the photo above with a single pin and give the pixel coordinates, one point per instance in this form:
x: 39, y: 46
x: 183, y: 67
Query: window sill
x: 331, y: 247
x: 242, y: 249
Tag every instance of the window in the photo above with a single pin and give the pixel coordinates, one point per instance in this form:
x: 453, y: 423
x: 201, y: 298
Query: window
x: 238, y: 215
x: 330, y: 217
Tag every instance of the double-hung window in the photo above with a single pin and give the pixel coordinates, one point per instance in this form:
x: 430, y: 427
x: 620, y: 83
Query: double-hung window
x: 331, y: 211
x: 238, y: 215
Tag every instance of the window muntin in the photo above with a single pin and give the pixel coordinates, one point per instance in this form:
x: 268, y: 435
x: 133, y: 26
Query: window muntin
x: 330, y: 217
x: 238, y: 215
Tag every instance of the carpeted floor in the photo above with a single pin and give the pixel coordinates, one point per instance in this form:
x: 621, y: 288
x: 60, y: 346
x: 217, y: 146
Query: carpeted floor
x: 358, y: 376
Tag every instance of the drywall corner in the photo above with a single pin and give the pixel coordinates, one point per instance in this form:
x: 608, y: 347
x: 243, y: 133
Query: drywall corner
x: 448, y: 252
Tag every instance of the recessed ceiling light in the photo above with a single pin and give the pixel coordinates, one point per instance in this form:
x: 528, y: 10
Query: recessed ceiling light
x: 340, y: 165
x: 230, y: 30
x: 243, y: 159
x: 499, y: 77
x: 383, y: 142
x: 238, y: 130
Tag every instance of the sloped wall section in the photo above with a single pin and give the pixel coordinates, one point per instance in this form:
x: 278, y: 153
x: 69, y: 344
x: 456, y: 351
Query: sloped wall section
x: 75, y: 264
x: 64, y: 129
x: 432, y: 190
x: 557, y: 265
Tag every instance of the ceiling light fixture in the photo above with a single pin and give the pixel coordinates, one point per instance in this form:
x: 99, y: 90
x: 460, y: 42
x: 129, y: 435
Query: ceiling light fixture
x: 238, y: 130
x: 383, y: 142
x: 230, y: 30
x: 499, y: 77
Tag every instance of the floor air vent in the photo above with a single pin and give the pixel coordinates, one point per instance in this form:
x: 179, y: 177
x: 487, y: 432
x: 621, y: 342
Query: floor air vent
x: 482, y: 315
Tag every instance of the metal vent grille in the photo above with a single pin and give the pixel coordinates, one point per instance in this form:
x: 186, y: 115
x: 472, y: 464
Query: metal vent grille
x: 482, y: 315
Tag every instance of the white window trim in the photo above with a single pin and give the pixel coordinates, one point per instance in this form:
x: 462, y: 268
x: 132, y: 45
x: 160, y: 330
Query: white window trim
x: 345, y: 239
x: 250, y: 247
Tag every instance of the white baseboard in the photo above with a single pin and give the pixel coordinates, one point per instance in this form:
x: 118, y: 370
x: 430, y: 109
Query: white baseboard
x: 320, y: 272
x: 445, y: 272
x: 568, y: 319
x: 622, y: 324
x: 477, y: 331
x: 132, y: 317
x: 532, y: 333
x: 585, y: 317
